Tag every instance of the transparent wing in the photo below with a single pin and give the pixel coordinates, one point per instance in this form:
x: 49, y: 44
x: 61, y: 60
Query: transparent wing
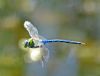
x: 37, y: 54
x: 33, y: 32
x: 45, y: 55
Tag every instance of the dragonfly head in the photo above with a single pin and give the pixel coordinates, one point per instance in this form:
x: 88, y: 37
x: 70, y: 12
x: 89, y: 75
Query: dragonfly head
x: 26, y: 43
x: 29, y: 43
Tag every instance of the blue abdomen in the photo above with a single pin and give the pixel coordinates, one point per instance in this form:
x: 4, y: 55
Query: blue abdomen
x: 59, y: 40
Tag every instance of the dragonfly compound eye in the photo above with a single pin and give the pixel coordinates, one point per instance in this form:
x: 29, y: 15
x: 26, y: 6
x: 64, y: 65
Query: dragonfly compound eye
x: 26, y: 43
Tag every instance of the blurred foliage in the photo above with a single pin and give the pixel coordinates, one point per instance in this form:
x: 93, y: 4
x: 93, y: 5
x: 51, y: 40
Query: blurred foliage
x: 74, y: 19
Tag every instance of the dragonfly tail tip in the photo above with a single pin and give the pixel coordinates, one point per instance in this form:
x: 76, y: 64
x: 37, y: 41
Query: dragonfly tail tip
x: 83, y: 43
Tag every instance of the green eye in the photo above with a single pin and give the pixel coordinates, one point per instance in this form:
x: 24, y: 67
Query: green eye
x: 31, y: 43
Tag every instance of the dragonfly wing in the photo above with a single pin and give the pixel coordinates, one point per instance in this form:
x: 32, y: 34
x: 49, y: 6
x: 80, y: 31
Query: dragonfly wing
x: 33, y: 32
x: 45, y: 55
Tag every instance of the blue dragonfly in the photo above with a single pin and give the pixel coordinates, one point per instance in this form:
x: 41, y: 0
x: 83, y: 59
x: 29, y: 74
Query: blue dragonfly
x: 37, y: 41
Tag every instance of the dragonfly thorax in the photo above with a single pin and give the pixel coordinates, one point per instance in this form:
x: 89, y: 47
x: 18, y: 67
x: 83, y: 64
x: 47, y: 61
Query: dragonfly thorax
x: 32, y: 43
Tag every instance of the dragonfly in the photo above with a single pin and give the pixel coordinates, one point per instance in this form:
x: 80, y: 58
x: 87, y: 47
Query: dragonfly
x: 37, y: 41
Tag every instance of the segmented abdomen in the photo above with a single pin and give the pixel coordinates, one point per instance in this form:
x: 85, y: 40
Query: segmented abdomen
x: 59, y: 40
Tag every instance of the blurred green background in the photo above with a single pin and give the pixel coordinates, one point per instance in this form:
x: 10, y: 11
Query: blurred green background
x: 65, y: 19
